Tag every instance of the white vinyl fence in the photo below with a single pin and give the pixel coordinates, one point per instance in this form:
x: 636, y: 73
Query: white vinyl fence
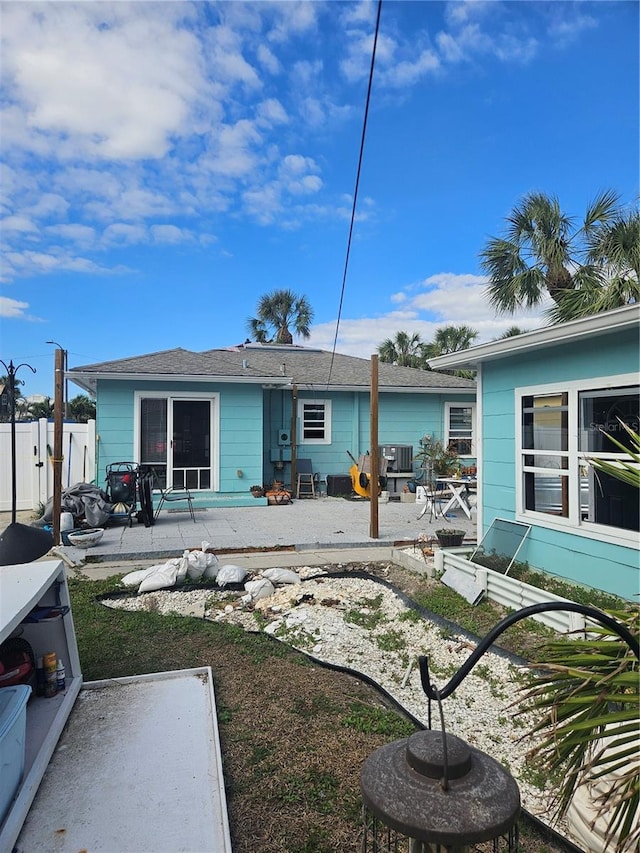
x: 34, y: 450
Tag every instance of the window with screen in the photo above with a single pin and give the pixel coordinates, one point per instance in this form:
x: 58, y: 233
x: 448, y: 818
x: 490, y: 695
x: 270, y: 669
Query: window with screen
x: 459, y: 428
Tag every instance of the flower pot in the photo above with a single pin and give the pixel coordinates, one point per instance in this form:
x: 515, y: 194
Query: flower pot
x: 450, y: 538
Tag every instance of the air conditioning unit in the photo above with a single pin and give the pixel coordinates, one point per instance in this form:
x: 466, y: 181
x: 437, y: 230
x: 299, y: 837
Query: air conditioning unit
x: 284, y: 437
x: 399, y: 456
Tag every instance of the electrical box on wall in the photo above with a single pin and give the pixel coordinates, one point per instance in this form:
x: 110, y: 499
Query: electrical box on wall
x: 284, y: 437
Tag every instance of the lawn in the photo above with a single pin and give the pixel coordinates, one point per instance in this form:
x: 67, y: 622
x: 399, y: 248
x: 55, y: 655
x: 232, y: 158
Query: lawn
x: 294, y: 734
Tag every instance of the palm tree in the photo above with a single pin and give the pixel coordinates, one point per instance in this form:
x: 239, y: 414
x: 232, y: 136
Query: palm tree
x: 279, y: 311
x: 82, y: 409
x: 614, y: 251
x: 5, y: 398
x: 404, y: 350
x: 511, y: 332
x: 41, y: 409
x: 543, y: 253
x: 451, y: 339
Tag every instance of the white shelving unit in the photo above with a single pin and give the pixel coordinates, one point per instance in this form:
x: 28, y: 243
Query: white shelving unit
x: 22, y: 588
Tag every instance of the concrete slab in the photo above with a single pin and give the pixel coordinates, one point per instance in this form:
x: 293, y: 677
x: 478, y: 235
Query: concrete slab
x: 313, y: 531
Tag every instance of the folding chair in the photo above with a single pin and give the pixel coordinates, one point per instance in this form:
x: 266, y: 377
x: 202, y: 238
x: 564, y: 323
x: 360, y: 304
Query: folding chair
x: 174, y: 496
x: 305, y: 487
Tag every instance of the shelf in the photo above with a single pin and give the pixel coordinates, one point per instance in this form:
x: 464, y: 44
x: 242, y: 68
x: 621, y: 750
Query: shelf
x: 22, y: 588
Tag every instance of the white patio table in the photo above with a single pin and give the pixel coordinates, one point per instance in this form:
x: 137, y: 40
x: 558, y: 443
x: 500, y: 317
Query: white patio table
x: 460, y: 488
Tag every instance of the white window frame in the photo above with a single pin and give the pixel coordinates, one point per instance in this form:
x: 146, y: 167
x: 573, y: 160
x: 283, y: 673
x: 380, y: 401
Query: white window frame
x: 447, y: 426
x: 307, y: 401
x: 573, y: 523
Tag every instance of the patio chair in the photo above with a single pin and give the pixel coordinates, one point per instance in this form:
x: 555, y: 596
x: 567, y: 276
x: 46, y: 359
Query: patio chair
x: 435, y: 493
x: 305, y: 487
x: 171, y: 496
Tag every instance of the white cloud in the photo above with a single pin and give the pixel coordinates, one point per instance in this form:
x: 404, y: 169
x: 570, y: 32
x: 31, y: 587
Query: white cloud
x: 268, y: 60
x: 170, y: 234
x: 271, y: 112
x: 76, y: 233
x: 129, y: 88
x: 12, y: 308
x: 122, y: 234
x: 18, y: 223
x: 440, y: 300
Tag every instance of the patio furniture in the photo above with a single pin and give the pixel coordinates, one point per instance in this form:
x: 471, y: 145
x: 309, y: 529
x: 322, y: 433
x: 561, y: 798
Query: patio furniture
x: 460, y: 488
x: 172, y: 496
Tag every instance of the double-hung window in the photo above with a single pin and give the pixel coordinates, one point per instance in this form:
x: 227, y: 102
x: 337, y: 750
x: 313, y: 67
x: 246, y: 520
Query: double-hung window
x: 459, y: 428
x: 314, y: 417
x: 559, y: 430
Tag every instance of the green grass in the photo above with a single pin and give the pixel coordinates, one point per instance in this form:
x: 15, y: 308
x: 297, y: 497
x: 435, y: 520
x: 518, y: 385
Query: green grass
x: 374, y: 720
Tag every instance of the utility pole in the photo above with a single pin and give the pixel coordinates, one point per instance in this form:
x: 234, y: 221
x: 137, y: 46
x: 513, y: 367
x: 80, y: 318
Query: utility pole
x: 374, y: 482
x: 58, y: 402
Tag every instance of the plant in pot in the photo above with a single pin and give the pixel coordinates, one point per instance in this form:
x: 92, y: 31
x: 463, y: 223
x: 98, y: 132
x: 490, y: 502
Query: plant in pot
x: 442, y: 461
x: 257, y: 491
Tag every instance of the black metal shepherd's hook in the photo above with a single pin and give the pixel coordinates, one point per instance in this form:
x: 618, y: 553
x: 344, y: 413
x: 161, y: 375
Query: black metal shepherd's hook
x: 11, y: 375
x: 433, y: 693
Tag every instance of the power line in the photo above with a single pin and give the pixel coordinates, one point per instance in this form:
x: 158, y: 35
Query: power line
x: 355, y: 192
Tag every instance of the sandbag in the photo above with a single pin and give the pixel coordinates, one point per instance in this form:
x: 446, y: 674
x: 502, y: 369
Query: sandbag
x: 135, y: 578
x: 230, y: 574
x: 261, y: 588
x: 281, y: 576
x: 162, y: 577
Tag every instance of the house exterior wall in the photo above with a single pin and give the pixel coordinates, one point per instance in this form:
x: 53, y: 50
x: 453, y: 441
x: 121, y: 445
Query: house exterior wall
x: 402, y: 419
x: 577, y: 556
x: 240, y: 423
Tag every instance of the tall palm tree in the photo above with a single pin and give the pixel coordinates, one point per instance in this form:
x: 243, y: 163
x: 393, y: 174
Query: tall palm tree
x: 542, y: 252
x: 451, y: 339
x: 614, y: 251
x: 511, y: 332
x: 404, y: 350
x: 281, y: 311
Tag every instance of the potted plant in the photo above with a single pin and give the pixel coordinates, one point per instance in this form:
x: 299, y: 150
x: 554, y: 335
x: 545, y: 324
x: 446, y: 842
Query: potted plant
x: 450, y: 537
x: 257, y: 491
x: 443, y: 461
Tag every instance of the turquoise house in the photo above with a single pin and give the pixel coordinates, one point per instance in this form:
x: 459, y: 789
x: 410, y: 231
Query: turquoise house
x: 223, y: 420
x: 547, y: 402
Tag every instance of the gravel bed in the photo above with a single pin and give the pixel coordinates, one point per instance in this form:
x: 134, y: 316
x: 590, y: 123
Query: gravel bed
x: 361, y: 624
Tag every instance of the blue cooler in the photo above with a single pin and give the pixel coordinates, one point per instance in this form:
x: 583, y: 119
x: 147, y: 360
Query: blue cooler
x: 13, y: 727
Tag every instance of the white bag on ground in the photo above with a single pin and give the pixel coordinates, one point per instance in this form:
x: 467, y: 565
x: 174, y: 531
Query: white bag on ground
x: 281, y: 575
x: 261, y: 588
x: 213, y: 567
x: 135, y: 578
x: 230, y: 574
x: 162, y: 577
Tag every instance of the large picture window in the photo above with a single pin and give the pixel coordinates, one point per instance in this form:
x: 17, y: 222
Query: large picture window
x: 315, y: 421
x: 560, y: 429
x: 460, y: 428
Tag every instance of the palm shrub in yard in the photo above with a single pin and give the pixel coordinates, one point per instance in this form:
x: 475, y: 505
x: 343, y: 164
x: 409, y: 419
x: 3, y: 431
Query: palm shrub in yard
x: 587, y: 691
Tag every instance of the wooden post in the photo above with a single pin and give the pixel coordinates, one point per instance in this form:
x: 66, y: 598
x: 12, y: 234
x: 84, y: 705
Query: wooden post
x: 294, y: 437
x: 373, y: 450
x: 58, y: 403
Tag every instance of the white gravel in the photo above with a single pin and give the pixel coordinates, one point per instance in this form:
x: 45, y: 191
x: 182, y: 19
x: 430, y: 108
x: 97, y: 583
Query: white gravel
x: 362, y: 625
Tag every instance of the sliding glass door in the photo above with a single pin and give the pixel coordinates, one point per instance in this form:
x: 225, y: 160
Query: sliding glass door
x: 176, y: 440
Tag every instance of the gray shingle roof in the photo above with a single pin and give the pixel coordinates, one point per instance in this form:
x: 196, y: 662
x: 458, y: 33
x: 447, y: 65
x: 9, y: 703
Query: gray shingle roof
x: 303, y: 365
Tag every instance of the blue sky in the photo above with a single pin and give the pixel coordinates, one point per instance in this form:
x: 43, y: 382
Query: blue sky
x: 166, y: 164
